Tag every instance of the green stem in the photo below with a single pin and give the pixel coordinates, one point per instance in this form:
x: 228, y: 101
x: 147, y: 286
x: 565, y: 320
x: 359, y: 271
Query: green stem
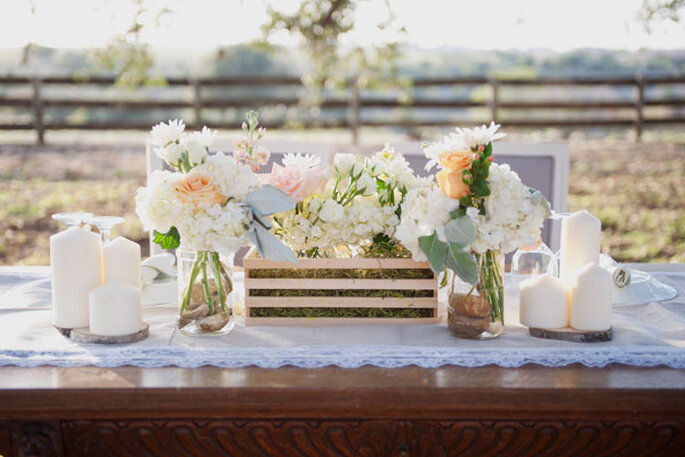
x: 219, y: 282
x: 205, y: 282
x: 194, y: 271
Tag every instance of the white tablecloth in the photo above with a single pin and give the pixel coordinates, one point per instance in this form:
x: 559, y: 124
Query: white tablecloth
x: 645, y: 335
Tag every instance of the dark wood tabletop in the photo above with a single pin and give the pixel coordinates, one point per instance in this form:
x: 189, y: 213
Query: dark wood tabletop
x: 532, y: 410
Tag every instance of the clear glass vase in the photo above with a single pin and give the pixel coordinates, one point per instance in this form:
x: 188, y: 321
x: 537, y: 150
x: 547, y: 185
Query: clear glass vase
x: 204, y: 286
x: 477, y: 311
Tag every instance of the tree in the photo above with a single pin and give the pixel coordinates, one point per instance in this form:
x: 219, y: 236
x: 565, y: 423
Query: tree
x: 653, y: 11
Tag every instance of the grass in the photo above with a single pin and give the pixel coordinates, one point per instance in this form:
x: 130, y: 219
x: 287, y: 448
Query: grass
x: 636, y: 189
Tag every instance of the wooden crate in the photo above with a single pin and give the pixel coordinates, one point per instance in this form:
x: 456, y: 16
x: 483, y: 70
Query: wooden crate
x: 262, y: 276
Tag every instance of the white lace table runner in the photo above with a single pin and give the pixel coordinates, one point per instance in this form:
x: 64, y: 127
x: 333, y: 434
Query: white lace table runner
x: 646, y: 335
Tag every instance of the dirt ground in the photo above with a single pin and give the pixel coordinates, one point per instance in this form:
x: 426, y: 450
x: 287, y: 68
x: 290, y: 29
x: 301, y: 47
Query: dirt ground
x: 636, y: 189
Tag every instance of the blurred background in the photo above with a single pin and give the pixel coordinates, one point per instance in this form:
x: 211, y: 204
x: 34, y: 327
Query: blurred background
x: 82, y: 81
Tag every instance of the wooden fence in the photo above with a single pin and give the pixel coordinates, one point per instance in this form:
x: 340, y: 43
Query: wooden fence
x: 355, y: 103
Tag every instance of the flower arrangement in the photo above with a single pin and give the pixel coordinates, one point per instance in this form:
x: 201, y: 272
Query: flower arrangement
x: 353, y: 212
x: 475, y: 211
x: 212, y: 204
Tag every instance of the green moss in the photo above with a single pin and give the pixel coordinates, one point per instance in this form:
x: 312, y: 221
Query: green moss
x: 404, y: 313
x: 388, y: 293
x: 341, y: 273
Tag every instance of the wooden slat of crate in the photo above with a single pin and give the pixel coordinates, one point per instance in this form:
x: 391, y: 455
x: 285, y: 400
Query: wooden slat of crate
x: 252, y: 263
x: 331, y: 321
x: 342, y: 302
x: 341, y: 284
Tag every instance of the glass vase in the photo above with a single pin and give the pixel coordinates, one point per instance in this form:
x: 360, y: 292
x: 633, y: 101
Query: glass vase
x: 204, y: 286
x: 477, y: 311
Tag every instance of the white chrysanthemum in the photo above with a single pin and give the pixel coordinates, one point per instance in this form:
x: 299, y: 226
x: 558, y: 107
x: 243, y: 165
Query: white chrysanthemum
x: 163, y: 134
x: 305, y: 161
x: 512, y: 218
x: 480, y: 135
x: 451, y: 142
x: 205, y: 137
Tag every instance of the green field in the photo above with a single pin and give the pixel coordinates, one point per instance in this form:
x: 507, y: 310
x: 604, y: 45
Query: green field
x: 636, y: 189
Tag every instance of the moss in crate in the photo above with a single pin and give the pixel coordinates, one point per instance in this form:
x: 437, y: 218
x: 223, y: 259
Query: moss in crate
x: 342, y: 273
x: 388, y: 293
x: 404, y: 313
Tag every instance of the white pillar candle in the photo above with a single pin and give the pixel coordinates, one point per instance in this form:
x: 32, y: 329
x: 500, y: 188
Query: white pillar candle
x: 122, y: 261
x: 543, y: 302
x: 76, y: 264
x: 591, y: 299
x: 115, y: 309
x: 580, y: 243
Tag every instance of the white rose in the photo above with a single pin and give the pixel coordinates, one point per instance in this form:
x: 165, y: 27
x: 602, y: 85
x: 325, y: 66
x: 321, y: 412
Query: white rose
x: 331, y: 211
x: 196, y: 152
x: 171, y: 153
x: 344, y: 163
x: 366, y: 184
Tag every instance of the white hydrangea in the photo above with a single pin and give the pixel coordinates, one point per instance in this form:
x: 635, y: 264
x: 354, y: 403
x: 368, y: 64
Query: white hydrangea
x: 426, y: 209
x: 235, y: 179
x: 220, y: 228
x: 512, y: 218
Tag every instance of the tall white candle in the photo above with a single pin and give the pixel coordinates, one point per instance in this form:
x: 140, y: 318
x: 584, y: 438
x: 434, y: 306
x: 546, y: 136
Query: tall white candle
x: 115, y: 309
x: 76, y: 264
x: 580, y: 243
x: 122, y: 261
x: 591, y: 299
x: 543, y: 302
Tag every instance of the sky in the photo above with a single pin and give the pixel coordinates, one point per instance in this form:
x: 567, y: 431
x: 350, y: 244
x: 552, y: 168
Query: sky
x: 559, y: 25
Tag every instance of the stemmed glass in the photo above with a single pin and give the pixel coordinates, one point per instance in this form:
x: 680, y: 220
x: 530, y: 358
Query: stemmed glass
x: 72, y: 219
x: 105, y: 224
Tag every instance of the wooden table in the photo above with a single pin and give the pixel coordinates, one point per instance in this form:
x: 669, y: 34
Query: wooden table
x: 571, y: 411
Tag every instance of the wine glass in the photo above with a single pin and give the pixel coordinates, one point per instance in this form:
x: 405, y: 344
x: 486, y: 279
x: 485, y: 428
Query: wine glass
x: 72, y: 219
x: 105, y: 225
x: 533, y: 260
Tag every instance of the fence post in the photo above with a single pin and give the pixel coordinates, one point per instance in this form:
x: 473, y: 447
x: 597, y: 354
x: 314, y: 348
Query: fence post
x: 639, y: 105
x: 38, y: 111
x: 197, y: 102
x: 353, y: 109
x: 494, y: 101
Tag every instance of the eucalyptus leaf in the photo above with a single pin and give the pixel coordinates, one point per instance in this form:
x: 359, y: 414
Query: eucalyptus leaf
x: 435, y: 250
x: 460, y: 230
x: 268, y: 200
x: 462, y: 262
x: 268, y: 245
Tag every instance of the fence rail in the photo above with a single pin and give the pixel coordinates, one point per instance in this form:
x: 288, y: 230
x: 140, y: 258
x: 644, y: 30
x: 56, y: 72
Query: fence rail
x: 356, y: 101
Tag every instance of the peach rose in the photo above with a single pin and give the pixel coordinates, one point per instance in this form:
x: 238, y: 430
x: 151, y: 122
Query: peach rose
x: 455, y: 160
x: 451, y: 183
x: 298, y: 181
x: 198, y: 190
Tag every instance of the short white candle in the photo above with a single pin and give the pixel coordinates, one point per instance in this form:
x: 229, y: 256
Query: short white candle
x: 115, y: 309
x: 580, y: 243
x: 543, y: 302
x: 591, y: 299
x: 122, y: 261
x: 76, y: 264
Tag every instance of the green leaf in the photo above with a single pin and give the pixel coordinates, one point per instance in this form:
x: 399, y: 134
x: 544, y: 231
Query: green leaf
x: 462, y: 262
x: 168, y: 240
x: 460, y: 230
x: 435, y: 250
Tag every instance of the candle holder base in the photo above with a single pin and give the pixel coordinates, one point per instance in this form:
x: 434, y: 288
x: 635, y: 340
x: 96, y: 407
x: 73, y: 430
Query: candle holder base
x: 84, y: 336
x: 571, y: 334
x: 64, y: 331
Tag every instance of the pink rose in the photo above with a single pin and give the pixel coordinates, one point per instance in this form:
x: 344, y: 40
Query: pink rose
x: 298, y: 181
